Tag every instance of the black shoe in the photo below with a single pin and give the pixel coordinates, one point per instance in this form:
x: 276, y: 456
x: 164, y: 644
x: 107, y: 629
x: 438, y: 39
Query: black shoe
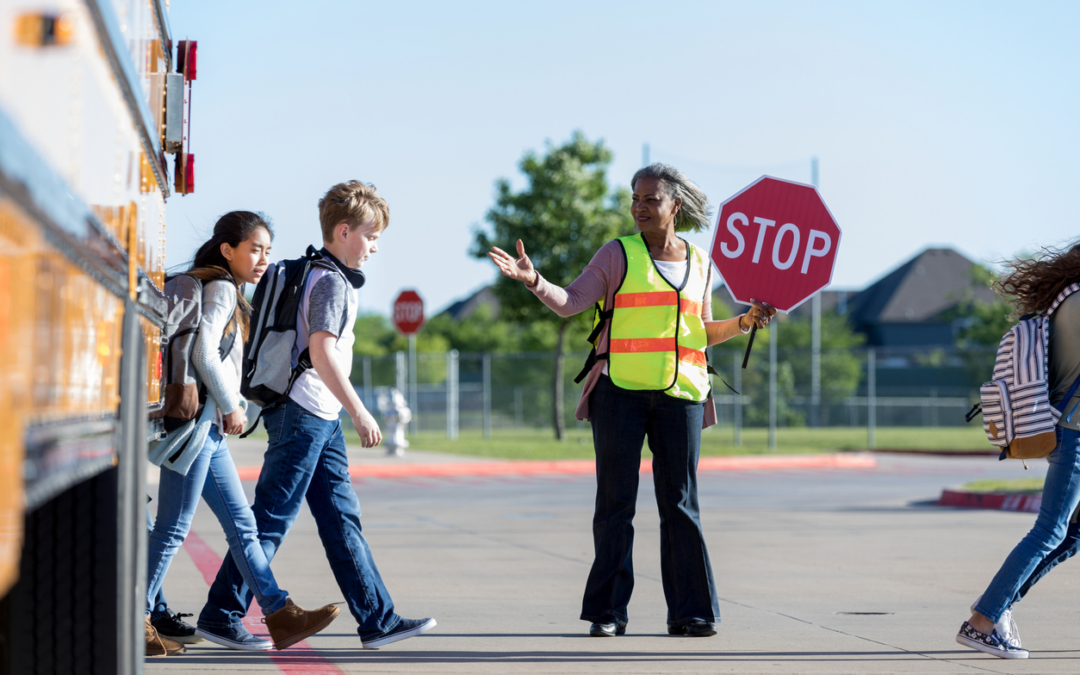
x: 609, y: 626
x: 406, y: 628
x: 693, y: 628
x: 173, y: 627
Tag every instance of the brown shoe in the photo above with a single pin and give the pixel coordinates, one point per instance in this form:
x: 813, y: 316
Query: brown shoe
x: 157, y: 645
x: 293, y: 623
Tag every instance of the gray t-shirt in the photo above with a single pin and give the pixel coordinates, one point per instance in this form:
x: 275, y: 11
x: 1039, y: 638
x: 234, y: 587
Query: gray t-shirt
x: 1065, y: 358
x: 326, y: 299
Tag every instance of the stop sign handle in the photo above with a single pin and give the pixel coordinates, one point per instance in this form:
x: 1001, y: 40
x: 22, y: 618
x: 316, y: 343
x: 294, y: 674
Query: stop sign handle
x: 749, y: 346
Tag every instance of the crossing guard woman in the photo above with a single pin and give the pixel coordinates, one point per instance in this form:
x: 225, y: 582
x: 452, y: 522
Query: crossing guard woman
x: 647, y: 379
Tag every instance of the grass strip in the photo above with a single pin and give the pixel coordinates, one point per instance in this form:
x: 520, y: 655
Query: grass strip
x: 540, y: 444
x: 1010, y: 486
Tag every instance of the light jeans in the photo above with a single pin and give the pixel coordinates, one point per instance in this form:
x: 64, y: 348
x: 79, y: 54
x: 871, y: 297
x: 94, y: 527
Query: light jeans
x: 1061, y: 494
x: 213, y: 476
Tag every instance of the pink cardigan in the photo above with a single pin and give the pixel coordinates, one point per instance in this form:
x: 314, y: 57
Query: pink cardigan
x: 600, y: 279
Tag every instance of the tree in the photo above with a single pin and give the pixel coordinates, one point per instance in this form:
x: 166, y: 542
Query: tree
x: 980, y: 325
x: 564, y: 215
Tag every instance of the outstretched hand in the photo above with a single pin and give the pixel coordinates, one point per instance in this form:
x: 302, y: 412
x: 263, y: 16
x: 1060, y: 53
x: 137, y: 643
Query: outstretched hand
x: 759, y: 315
x: 519, y: 269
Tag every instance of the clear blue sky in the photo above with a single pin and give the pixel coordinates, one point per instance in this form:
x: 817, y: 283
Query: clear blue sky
x: 936, y: 123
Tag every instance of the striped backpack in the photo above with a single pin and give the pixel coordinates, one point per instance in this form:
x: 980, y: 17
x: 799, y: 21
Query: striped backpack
x: 1016, y: 410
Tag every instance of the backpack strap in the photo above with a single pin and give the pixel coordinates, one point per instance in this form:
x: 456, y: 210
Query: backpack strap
x: 1065, y: 292
x: 604, y: 319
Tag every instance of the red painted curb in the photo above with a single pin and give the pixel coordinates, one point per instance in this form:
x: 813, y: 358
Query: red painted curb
x: 846, y: 460
x: 1028, y: 503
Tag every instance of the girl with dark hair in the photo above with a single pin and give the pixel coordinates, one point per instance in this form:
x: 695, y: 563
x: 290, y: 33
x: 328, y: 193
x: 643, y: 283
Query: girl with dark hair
x: 1034, y: 286
x: 238, y: 253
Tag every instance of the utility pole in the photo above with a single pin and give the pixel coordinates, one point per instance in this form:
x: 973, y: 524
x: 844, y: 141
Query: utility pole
x: 645, y: 154
x: 815, y: 332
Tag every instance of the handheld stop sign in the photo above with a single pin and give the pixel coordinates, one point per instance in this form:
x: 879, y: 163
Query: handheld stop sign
x: 775, y: 242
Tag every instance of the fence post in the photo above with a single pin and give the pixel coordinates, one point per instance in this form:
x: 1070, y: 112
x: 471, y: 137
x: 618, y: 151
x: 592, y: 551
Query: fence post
x: 871, y: 398
x: 399, y: 371
x: 772, y: 383
x: 368, y: 403
x: 412, y: 384
x: 452, y: 395
x: 519, y: 409
x: 736, y: 413
x: 487, y: 396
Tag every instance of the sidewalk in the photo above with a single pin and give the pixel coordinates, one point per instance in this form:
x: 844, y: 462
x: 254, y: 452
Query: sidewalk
x: 821, y: 571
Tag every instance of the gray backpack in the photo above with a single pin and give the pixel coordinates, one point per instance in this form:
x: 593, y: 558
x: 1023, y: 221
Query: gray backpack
x: 183, y: 394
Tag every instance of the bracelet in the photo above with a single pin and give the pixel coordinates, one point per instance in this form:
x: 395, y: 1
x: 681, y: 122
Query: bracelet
x: 534, y: 283
x: 744, y: 330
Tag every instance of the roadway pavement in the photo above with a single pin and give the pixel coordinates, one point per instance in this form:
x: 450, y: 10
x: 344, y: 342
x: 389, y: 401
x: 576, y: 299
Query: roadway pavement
x: 818, y: 571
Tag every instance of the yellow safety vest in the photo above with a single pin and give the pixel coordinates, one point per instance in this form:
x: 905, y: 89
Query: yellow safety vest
x: 657, y: 339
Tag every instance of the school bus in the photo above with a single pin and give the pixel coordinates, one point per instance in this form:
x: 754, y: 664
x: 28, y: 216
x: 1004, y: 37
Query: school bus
x: 94, y: 110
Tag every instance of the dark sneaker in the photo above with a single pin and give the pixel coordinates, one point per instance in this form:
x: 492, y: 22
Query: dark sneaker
x: 693, y: 628
x: 234, y: 637
x: 991, y: 644
x: 160, y: 646
x: 175, y: 628
x: 608, y: 626
x: 292, y: 623
x: 1005, y: 626
x: 406, y: 628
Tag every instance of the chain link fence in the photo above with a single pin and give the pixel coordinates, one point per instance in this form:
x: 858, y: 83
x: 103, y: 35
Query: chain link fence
x: 895, y: 387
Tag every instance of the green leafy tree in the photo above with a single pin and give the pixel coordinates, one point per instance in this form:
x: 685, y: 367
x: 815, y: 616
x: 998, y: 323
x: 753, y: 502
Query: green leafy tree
x: 841, y: 366
x: 376, y: 337
x: 564, y: 215
x: 980, y: 326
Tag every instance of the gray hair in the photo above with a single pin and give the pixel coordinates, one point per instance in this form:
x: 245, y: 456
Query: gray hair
x: 693, y: 215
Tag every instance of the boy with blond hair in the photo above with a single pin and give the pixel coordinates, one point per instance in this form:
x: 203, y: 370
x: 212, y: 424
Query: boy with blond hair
x: 306, y: 454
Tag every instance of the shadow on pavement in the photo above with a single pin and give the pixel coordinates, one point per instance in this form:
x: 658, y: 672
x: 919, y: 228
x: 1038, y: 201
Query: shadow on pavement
x: 343, y: 656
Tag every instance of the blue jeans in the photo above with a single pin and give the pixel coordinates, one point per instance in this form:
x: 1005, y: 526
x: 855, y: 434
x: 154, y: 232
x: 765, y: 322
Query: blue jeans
x: 159, y: 606
x: 1065, y: 550
x: 621, y: 421
x: 306, y: 459
x: 1061, y: 494
x: 213, y: 476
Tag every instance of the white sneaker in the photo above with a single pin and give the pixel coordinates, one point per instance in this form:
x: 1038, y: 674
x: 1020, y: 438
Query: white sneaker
x: 969, y: 636
x: 1005, y: 627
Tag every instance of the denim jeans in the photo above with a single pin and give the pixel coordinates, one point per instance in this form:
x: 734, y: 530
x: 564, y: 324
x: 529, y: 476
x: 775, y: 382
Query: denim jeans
x: 621, y: 421
x: 1065, y: 550
x: 1061, y: 494
x: 213, y: 476
x: 306, y: 459
x: 159, y: 606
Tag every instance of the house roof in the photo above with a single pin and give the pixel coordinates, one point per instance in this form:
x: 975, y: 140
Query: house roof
x: 463, y: 309
x: 919, y: 291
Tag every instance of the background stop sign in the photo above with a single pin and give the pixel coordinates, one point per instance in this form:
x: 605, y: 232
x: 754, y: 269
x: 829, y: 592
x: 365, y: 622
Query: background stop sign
x: 408, y: 313
x: 775, y: 242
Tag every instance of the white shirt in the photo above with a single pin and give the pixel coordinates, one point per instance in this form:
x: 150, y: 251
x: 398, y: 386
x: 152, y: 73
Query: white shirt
x: 309, y: 390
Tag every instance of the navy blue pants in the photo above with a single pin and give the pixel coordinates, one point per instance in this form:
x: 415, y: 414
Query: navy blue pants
x: 621, y: 421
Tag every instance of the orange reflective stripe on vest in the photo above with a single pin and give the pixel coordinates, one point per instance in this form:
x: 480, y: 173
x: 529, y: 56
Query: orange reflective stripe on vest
x: 657, y: 299
x: 654, y: 299
x: 644, y: 345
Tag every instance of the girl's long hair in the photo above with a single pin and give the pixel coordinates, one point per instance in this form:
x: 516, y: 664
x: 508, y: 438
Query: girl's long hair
x: 1033, y: 283
x: 210, y: 264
